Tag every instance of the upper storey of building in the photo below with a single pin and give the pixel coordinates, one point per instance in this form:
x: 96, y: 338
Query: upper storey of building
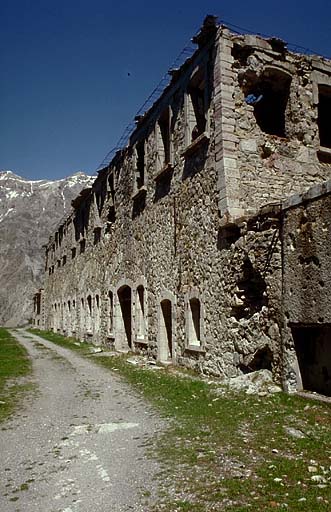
x: 242, y: 111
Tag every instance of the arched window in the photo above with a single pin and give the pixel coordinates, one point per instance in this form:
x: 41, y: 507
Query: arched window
x: 140, y: 314
x: 89, y: 313
x: 194, y: 321
x: 124, y: 318
x: 110, y: 312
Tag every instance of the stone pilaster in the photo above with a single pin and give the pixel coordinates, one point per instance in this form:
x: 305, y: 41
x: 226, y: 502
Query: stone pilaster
x: 226, y: 141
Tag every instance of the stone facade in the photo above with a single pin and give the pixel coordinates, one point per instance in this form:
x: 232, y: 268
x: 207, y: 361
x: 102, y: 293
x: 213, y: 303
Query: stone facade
x: 306, y: 234
x: 175, y: 250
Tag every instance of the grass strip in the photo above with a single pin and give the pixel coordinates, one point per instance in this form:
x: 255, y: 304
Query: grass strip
x: 231, y: 451
x: 14, y: 364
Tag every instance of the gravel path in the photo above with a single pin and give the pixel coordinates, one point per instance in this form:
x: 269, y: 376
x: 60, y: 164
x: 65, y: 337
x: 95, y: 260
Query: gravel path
x: 78, y: 443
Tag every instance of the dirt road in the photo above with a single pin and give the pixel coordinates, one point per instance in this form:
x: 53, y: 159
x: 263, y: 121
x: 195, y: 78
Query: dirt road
x: 77, y: 443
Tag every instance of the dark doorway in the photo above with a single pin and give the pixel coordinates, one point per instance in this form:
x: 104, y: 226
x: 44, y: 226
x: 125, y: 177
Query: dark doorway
x: 125, y: 322
x: 165, y: 331
x: 313, y: 349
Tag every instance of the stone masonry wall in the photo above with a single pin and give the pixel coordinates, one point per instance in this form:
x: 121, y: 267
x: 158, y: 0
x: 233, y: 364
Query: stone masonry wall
x: 167, y: 254
x: 263, y: 166
x: 306, y: 282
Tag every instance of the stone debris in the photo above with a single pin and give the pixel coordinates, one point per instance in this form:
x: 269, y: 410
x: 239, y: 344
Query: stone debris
x: 95, y: 350
x: 143, y: 362
x: 254, y: 383
x: 294, y: 432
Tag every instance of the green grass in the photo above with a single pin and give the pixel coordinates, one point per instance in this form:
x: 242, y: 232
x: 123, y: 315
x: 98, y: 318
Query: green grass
x: 14, y: 364
x: 231, y: 451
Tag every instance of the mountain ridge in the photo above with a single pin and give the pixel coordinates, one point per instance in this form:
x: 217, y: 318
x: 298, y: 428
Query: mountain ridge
x: 29, y: 212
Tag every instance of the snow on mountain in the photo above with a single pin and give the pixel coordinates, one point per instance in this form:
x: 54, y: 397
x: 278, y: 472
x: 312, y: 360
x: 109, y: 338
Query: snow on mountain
x: 29, y: 212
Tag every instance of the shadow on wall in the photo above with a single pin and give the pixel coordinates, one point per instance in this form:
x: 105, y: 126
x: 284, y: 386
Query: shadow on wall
x: 312, y: 345
x: 251, y: 296
x: 195, y: 161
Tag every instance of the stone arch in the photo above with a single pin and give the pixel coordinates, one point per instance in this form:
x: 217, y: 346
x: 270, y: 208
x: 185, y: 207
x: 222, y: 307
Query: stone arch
x: 111, y: 293
x: 123, y: 315
x: 89, y: 312
x: 141, y: 311
x: 69, y: 317
x: 166, y: 341
x: 55, y: 317
x: 194, y: 319
x: 73, y: 315
x: 96, y: 312
x: 82, y: 318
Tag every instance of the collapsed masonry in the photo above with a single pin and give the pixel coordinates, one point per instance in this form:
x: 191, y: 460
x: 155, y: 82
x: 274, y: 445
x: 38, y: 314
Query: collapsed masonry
x: 183, y: 248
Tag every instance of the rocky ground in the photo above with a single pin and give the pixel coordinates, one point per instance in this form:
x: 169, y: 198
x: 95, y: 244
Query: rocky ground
x: 79, y: 442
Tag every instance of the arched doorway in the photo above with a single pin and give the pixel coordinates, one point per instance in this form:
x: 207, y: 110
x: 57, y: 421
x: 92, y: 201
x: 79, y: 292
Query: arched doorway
x: 123, y: 339
x: 165, y: 345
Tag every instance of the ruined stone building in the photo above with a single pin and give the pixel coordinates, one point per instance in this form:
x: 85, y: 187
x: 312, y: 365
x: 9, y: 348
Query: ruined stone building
x: 205, y: 240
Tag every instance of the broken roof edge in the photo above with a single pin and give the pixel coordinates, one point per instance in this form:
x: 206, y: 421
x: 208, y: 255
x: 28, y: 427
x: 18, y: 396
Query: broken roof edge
x: 205, y: 34
x: 204, y: 37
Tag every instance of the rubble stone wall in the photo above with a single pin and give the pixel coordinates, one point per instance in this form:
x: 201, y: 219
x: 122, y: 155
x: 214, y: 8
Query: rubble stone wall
x: 167, y: 254
x: 306, y: 281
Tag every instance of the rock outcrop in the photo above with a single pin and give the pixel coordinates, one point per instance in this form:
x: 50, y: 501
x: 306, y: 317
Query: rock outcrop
x: 29, y: 212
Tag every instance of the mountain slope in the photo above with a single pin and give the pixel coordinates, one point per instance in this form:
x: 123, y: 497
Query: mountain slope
x: 29, y: 212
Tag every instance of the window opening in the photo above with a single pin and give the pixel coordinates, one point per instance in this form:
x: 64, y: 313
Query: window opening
x: 97, y: 236
x: 163, y: 139
x: 60, y: 235
x: 89, y: 313
x: 111, y: 311
x: 140, y: 313
x: 89, y: 304
x: 197, y: 106
x: 124, y: 328
x: 140, y: 164
x: 82, y: 246
x: 111, y: 217
x: 324, y: 115
x: 97, y: 314
x: 165, y: 331
x: 269, y: 97
x: 194, y: 322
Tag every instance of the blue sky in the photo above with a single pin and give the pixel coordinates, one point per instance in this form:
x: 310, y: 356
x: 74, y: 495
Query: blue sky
x: 74, y: 73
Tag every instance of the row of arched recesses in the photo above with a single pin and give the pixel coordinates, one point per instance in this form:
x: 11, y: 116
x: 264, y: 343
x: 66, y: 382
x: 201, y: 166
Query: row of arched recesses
x: 69, y: 317
x: 121, y: 315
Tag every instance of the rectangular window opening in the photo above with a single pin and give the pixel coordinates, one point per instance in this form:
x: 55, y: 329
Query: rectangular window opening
x: 97, y: 236
x: 163, y: 139
x: 269, y: 96
x: 140, y: 164
x: 82, y: 246
x: 197, y: 105
x: 324, y: 115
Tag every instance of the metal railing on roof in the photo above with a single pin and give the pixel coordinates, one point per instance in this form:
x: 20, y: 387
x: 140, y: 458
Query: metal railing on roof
x: 185, y: 54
